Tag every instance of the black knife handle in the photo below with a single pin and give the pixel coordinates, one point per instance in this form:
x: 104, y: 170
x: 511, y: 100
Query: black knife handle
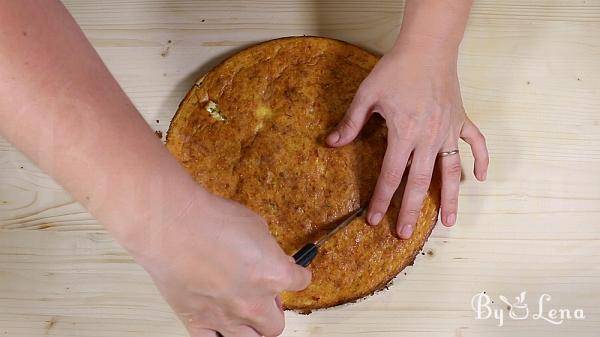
x: 304, y: 256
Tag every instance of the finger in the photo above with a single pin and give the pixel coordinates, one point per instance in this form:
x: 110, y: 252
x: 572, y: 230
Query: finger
x: 296, y: 278
x: 268, y: 320
x: 201, y: 332
x: 390, y: 176
x: 451, y: 173
x: 417, y: 185
x: 471, y: 134
x: 241, y: 331
x: 353, y: 121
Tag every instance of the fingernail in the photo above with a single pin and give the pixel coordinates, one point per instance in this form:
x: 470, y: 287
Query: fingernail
x: 451, y: 219
x: 407, y: 231
x: 333, y: 138
x: 481, y: 176
x: 375, y: 218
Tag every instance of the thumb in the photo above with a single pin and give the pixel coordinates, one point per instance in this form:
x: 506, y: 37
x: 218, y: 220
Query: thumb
x: 350, y: 126
x: 299, y: 278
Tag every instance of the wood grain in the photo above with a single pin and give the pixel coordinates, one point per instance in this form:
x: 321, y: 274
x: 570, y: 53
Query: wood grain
x: 530, y: 78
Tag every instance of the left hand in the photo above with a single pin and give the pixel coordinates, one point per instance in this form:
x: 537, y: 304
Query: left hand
x: 416, y: 89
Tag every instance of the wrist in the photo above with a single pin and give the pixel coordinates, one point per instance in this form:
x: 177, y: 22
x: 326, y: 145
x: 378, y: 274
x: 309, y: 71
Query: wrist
x: 146, y: 233
x: 428, y: 47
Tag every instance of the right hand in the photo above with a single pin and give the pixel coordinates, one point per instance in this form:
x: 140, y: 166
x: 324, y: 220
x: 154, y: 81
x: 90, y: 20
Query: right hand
x: 219, y: 268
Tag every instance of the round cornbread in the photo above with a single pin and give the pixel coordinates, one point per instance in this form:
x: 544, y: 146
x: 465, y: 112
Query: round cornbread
x: 253, y: 130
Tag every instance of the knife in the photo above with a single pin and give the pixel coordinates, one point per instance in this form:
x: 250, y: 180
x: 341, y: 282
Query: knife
x: 306, y: 254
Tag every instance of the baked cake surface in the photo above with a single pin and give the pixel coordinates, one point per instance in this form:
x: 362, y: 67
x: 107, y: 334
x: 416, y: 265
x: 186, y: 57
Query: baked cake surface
x: 253, y: 130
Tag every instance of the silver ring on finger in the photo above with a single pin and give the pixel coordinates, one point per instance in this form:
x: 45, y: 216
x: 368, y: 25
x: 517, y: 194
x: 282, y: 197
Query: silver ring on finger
x: 448, y: 153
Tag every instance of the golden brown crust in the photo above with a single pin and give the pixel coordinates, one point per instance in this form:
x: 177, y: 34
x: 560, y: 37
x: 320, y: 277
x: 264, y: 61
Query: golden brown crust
x: 279, y: 100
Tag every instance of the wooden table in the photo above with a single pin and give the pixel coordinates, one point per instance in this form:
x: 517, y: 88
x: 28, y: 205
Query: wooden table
x: 530, y: 73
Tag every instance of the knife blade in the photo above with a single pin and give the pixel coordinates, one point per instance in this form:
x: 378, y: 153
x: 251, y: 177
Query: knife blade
x: 306, y: 254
